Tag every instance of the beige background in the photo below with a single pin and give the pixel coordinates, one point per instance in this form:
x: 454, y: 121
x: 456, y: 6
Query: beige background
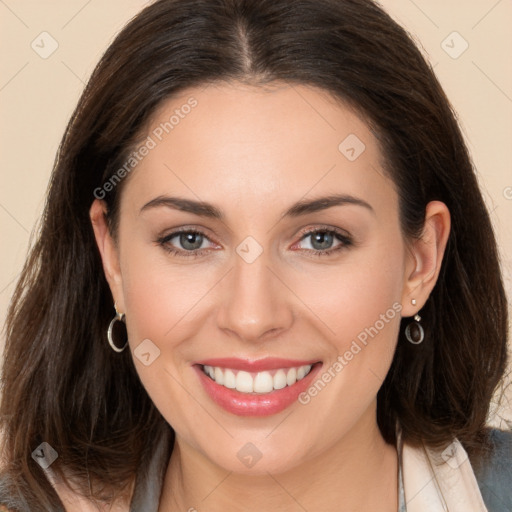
x: 37, y: 96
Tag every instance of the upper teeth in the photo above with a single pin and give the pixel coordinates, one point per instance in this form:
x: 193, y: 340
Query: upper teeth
x: 260, y: 382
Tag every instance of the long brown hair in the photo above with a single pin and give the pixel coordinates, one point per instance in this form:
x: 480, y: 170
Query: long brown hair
x: 63, y: 385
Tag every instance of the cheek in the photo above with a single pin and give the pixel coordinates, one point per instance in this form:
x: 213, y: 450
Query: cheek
x: 353, y: 295
x: 161, y: 296
x: 358, y: 304
x: 163, y: 303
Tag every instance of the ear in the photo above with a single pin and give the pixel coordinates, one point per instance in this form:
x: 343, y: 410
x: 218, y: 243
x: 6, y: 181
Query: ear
x: 425, y: 257
x: 108, y: 251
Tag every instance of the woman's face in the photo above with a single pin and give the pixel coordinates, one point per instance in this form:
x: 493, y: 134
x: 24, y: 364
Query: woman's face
x: 253, y: 284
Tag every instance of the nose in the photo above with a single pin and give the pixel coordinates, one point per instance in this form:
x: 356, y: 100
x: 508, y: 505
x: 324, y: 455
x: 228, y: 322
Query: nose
x: 255, y: 301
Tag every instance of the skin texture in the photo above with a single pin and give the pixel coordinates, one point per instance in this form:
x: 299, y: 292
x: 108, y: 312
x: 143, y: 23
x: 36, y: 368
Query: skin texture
x: 253, y: 152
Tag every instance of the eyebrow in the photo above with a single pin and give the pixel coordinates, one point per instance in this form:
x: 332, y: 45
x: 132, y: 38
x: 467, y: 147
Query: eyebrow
x: 302, y: 207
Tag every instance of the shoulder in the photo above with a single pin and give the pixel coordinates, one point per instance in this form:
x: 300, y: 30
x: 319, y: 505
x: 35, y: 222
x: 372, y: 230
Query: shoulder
x: 7, y: 502
x: 494, y: 473
x: 13, y: 497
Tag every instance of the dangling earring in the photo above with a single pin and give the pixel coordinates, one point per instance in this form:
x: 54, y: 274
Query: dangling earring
x: 119, y: 317
x: 414, y: 331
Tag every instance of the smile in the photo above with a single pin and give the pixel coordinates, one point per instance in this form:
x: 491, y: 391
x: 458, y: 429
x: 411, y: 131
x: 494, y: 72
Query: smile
x: 260, y: 382
x: 258, y: 388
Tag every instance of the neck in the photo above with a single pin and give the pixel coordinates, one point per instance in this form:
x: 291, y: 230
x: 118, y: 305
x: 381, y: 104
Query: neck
x: 358, y: 473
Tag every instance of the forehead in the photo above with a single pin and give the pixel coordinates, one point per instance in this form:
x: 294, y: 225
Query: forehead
x: 245, y: 144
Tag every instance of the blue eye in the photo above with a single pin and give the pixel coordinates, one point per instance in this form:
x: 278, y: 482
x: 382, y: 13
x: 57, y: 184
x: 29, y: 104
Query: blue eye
x: 322, y: 241
x: 191, y: 242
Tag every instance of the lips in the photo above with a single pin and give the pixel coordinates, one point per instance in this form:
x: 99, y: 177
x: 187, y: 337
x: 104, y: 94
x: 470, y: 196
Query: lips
x: 255, y: 388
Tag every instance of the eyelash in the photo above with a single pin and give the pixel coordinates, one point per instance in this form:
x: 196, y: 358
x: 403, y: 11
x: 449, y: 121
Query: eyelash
x: 345, y: 240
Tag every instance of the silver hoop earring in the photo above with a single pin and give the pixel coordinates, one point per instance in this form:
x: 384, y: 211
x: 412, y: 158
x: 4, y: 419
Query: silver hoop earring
x: 118, y: 318
x: 414, y: 331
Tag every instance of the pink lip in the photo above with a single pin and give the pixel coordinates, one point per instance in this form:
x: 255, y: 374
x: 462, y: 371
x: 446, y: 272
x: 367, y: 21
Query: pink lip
x: 260, y: 365
x: 255, y: 404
